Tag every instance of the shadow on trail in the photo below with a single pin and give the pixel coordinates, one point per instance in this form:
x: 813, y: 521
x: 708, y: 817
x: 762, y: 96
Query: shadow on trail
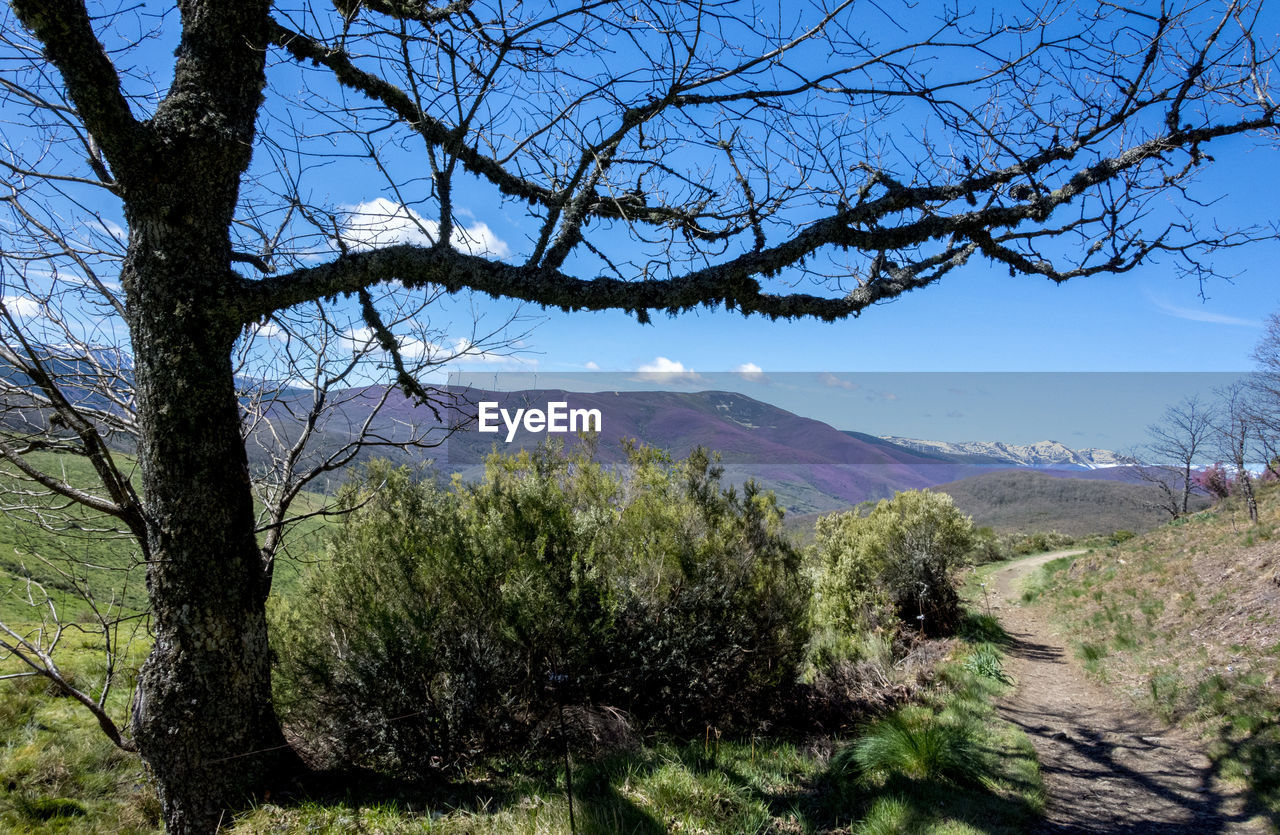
x: 1126, y: 775
x: 1024, y: 646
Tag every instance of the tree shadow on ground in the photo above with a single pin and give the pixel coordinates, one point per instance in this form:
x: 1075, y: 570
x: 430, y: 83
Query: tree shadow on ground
x: 598, y: 805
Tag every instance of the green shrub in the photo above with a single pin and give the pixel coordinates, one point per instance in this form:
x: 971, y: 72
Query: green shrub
x: 1092, y: 652
x: 1040, y: 542
x: 988, y: 547
x: 898, y: 560
x: 985, y: 661
x: 442, y: 622
x: 914, y: 742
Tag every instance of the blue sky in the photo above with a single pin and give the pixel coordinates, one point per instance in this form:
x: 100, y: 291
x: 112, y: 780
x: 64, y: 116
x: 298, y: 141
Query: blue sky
x: 1108, y: 410
x: 975, y: 319
x: 978, y: 319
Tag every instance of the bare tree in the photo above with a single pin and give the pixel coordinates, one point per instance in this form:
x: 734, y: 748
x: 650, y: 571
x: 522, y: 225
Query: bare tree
x: 1263, y: 406
x: 1234, y: 436
x: 66, y: 391
x: 1177, y: 445
x: 663, y: 155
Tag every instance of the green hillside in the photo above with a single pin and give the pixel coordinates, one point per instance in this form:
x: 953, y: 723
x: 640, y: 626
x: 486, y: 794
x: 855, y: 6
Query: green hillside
x: 74, y: 548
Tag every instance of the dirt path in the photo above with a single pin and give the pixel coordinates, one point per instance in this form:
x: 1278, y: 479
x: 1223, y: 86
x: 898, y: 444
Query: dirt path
x: 1106, y: 768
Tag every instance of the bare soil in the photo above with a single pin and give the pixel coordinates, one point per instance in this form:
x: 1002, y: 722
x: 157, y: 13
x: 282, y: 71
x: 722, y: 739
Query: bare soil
x: 1106, y: 767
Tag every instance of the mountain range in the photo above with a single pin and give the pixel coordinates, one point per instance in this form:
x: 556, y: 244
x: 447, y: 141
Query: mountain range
x: 810, y: 465
x: 1043, y: 455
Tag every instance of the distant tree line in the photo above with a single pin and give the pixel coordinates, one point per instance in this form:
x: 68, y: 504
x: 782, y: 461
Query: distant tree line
x: 1237, y: 430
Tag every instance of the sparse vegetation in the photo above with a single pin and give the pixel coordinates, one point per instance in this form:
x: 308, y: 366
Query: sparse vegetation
x: 1184, y: 621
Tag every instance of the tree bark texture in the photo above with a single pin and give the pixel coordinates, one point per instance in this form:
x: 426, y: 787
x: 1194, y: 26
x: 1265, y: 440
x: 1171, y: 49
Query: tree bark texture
x: 203, y: 718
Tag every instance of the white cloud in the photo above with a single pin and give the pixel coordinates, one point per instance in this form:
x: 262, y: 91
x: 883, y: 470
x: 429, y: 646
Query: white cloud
x: 665, y: 370
x: 662, y: 365
x: 750, y: 371
x: 359, y: 339
x: 382, y: 222
x: 267, y: 330
x: 1192, y: 314
x: 23, y: 307
x: 591, y: 366
x: 363, y: 341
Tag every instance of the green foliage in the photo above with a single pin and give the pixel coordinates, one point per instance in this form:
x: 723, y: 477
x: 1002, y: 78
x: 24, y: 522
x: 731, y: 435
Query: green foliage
x: 985, y: 661
x: 988, y: 547
x: 978, y: 627
x: 1092, y: 652
x: 1118, y: 537
x: 898, y: 560
x: 891, y: 815
x: 915, y: 742
x: 1039, y: 542
x: 442, y: 622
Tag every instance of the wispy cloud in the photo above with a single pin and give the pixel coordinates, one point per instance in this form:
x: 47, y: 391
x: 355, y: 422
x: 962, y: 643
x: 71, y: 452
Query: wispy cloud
x: 1192, y: 314
x: 833, y: 381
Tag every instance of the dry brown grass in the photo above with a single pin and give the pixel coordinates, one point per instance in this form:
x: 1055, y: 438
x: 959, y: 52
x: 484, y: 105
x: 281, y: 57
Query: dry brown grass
x: 1185, y: 621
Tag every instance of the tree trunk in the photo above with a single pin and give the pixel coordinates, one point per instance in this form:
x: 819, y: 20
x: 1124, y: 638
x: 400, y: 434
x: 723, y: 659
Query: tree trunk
x: 1250, y: 499
x: 203, y: 718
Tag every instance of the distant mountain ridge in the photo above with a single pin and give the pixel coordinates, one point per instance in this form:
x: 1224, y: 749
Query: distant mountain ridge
x: 1043, y: 455
x: 809, y: 464
x: 812, y: 466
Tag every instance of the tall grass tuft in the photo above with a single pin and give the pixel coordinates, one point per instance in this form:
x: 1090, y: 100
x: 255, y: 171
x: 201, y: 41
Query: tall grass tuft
x: 913, y: 742
x: 985, y: 661
x: 891, y: 815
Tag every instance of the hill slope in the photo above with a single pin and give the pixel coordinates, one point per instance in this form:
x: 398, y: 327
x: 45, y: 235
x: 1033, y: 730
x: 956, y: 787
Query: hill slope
x: 1024, y: 501
x: 1185, y: 622
x: 809, y: 464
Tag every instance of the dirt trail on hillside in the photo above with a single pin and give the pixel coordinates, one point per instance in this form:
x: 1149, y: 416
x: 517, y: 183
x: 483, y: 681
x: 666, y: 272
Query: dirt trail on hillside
x: 1106, y: 767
